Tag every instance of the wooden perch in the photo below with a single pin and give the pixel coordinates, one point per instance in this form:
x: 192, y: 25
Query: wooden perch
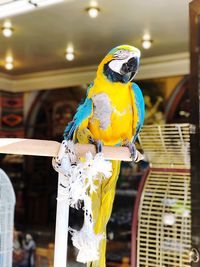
x: 47, y: 148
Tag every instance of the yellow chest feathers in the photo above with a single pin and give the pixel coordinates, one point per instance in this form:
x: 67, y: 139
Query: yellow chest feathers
x: 112, y: 118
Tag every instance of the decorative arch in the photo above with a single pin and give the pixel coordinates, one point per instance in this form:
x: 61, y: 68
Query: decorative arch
x: 177, y: 107
x: 46, y: 120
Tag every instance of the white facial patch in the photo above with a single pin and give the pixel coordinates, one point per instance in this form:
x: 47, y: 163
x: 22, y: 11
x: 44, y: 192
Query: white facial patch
x: 121, y: 54
x: 116, y: 64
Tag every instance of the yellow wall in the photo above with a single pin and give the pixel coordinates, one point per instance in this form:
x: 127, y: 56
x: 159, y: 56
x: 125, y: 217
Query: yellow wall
x: 169, y: 84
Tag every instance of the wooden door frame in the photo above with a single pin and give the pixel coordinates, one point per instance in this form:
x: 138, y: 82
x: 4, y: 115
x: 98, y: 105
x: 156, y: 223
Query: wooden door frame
x: 194, y: 91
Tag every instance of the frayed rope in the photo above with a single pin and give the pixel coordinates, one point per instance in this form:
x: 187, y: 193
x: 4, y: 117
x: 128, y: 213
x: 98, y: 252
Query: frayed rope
x: 78, y: 183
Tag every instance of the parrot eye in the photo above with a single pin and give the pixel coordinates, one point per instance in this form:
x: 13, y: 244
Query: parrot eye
x: 121, y: 54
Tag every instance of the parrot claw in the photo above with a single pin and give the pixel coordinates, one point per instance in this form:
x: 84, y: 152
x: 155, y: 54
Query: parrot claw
x: 98, y: 144
x: 133, y: 151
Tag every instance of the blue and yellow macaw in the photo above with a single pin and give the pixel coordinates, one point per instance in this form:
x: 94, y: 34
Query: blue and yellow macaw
x: 112, y: 114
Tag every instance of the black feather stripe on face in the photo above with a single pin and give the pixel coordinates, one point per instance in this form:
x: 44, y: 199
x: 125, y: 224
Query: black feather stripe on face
x: 115, y: 76
x: 130, y: 66
x: 112, y: 75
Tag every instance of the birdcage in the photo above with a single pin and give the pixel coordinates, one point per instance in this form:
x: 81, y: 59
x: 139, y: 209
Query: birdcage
x: 164, y: 219
x: 7, y: 203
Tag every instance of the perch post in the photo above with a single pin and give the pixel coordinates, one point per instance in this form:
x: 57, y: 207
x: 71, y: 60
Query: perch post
x: 61, y: 231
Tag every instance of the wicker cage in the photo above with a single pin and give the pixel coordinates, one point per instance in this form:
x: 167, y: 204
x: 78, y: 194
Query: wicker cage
x: 7, y: 203
x: 164, y: 219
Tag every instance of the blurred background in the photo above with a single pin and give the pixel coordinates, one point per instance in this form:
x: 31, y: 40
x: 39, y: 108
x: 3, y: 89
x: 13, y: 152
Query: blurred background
x: 49, y: 53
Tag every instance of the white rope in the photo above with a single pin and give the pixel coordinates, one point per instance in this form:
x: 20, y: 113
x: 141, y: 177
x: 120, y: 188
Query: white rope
x: 76, y: 183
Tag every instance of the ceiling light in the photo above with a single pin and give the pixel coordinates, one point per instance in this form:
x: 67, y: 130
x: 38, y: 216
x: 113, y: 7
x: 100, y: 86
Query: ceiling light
x: 93, y: 12
x: 13, y: 7
x: 9, y: 63
x: 69, y: 53
x: 146, y: 44
x: 7, y: 29
x: 7, y: 32
x: 69, y: 56
x: 146, y: 41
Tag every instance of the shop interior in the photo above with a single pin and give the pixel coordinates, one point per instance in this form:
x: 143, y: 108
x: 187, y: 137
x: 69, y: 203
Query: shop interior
x: 48, y: 57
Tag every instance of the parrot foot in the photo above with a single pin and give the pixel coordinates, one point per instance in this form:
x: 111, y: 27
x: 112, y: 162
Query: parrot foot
x: 98, y: 144
x: 133, y: 151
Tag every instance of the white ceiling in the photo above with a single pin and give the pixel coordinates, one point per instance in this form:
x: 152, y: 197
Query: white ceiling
x: 40, y: 37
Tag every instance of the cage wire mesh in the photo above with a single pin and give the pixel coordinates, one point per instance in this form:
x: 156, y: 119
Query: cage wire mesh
x: 164, y: 218
x: 7, y: 203
x: 166, y: 145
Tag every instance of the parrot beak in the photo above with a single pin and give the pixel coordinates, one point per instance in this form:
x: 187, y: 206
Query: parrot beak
x: 129, y: 69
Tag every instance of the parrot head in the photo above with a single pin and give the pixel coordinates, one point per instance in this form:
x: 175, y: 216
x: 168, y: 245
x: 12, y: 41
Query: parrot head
x: 121, y: 64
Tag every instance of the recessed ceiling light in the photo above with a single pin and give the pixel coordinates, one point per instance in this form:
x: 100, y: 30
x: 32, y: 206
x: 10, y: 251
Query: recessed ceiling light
x: 7, y: 32
x: 146, y: 41
x: 93, y: 11
x: 69, y: 55
x: 9, y: 63
x: 7, y: 29
x: 146, y: 44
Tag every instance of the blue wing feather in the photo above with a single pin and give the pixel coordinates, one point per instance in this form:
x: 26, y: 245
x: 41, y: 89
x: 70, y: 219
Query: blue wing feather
x: 82, y: 113
x: 140, y: 107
